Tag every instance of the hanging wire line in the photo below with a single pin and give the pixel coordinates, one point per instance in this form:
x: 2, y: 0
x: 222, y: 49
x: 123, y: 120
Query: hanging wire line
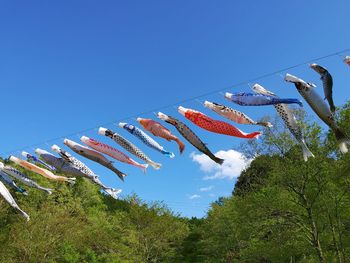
x: 338, y: 53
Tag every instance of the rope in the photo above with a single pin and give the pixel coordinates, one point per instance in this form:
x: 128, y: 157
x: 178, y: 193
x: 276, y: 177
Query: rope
x: 194, y: 98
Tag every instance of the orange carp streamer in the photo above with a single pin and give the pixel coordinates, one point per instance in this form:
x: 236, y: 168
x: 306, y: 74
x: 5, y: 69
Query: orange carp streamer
x: 159, y: 130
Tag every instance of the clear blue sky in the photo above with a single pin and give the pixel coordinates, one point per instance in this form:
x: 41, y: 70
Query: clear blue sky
x: 70, y: 65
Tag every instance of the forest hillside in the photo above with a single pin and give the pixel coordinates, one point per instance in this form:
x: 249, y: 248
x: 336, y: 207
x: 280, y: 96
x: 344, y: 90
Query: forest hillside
x: 282, y: 209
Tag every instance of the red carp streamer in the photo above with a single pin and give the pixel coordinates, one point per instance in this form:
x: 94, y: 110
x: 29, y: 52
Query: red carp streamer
x: 215, y: 126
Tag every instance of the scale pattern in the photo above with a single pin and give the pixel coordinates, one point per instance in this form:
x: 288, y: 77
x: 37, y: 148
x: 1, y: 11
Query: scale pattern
x: 150, y: 142
x: 234, y: 115
x: 216, y: 126
x: 77, y: 163
x: 289, y: 120
x: 252, y: 99
x: 86, y: 171
x: 307, y: 91
x: 130, y: 147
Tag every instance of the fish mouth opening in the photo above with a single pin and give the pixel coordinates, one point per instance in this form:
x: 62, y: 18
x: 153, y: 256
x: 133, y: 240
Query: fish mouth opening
x: 106, y: 132
x: 84, y: 138
x: 13, y: 158
x: 122, y: 124
x: 182, y: 110
x: 296, y: 80
x: 39, y: 151
x: 162, y: 116
x: 142, y: 121
x: 293, y: 79
x: 208, y: 104
x: 55, y: 148
x: 257, y: 88
x: 102, y: 131
x: 319, y: 69
x: 228, y: 95
x: 24, y: 154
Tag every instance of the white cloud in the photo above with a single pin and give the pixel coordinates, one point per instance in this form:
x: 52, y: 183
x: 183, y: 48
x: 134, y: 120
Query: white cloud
x: 194, y: 197
x: 234, y: 164
x: 206, y: 189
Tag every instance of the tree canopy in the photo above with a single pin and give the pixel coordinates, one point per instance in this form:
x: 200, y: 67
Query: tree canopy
x: 282, y: 209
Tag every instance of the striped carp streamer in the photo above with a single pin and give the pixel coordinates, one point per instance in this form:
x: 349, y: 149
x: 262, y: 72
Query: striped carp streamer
x: 24, y: 179
x: 8, y: 197
x: 252, y: 99
x: 36, y: 169
x: 37, y: 161
x: 327, y: 81
x: 307, y: 90
x: 289, y: 120
x: 159, y: 130
x: 347, y: 60
x: 215, y: 126
x: 6, y: 179
x: 190, y: 136
x: 93, y: 156
x: 234, y: 115
x: 85, y: 170
x: 150, y: 142
x: 130, y: 147
x: 112, y: 152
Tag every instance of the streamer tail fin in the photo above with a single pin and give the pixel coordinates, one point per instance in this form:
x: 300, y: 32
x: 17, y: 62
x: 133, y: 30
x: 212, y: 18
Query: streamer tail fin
x: 331, y: 104
x: 169, y: 154
x: 71, y: 180
x: 113, y: 192
x: 155, y: 165
x: 143, y: 167
x: 181, y: 145
x: 265, y: 124
x: 24, y: 214
x: 120, y: 174
x: 306, y: 152
x: 217, y: 159
x: 253, y: 135
x: 300, y: 103
x: 342, y: 139
x: 48, y: 190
